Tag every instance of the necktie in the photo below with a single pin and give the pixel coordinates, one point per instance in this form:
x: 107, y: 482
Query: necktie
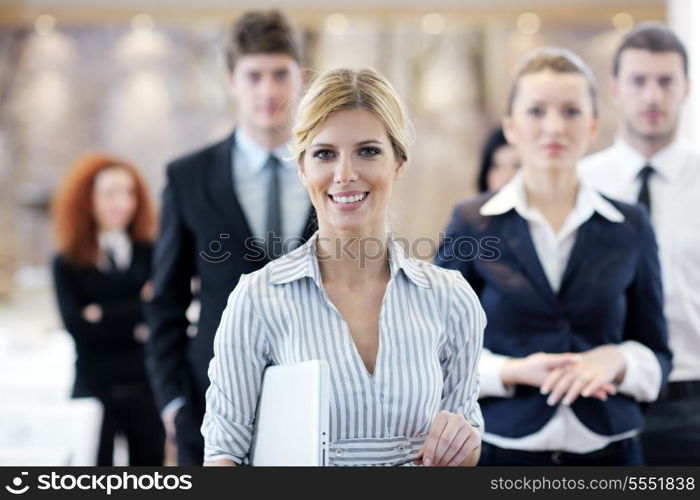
x: 111, y: 263
x: 644, y: 197
x: 274, y: 210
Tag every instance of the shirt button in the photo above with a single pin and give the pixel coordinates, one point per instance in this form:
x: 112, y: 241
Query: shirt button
x: 338, y: 452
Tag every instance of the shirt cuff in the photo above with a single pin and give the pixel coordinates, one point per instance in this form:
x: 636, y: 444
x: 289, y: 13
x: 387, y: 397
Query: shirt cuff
x: 175, y: 404
x: 642, y: 378
x: 490, y: 381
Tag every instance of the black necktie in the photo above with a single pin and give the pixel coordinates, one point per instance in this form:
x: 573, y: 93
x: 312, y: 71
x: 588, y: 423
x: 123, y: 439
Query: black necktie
x: 644, y: 198
x: 274, y: 210
x: 111, y: 263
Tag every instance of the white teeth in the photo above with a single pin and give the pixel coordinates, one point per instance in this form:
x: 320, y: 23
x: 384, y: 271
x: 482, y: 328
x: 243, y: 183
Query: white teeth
x: 349, y: 199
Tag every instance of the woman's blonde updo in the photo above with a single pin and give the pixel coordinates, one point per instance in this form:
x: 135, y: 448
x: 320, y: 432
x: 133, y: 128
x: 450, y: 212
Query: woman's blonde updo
x: 341, y: 89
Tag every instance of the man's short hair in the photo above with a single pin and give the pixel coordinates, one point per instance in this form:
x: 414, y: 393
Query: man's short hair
x: 262, y: 32
x: 653, y: 37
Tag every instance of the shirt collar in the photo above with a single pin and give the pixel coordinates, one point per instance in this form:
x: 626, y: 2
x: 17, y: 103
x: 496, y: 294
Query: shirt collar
x: 302, y: 262
x: 512, y: 197
x: 599, y: 203
x: 108, y: 240
x: 118, y: 244
x: 668, y: 162
x: 256, y: 155
x: 398, y: 260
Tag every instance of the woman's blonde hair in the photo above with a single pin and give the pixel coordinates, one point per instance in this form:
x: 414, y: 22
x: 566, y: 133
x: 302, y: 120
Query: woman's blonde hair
x: 342, y: 89
x: 557, y: 60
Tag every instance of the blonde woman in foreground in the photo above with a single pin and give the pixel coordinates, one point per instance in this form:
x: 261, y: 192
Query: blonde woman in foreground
x: 402, y: 337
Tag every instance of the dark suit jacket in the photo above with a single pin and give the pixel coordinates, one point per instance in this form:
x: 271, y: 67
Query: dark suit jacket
x: 199, y: 208
x: 108, y: 355
x: 610, y: 292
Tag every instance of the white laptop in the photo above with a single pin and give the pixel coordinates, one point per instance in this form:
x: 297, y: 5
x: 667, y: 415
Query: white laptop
x: 291, y: 425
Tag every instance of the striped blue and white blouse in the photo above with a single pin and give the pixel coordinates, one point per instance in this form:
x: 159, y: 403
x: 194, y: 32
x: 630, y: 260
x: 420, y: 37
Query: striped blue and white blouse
x: 430, y: 338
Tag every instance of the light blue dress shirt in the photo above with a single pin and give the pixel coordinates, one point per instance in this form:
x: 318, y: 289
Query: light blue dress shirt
x: 251, y: 178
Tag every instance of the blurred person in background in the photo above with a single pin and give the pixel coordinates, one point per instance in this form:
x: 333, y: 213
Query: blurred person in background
x: 651, y: 164
x: 499, y: 162
x: 576, y: 337
x: 226, y: 211
x: 104, y: 221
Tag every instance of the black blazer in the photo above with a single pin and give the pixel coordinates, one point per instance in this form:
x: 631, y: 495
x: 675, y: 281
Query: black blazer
x: 610, y: 292
x: 203, y: 232
x: 108, y: 354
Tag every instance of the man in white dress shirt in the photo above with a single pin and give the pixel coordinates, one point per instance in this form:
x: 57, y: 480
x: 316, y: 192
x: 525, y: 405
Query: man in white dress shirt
x: 650, y: 164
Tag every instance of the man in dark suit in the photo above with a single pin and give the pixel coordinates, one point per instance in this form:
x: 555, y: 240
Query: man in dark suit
x: 226, y: 210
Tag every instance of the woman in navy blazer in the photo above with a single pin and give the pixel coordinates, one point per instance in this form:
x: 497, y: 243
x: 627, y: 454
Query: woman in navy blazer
x: 576, y: 338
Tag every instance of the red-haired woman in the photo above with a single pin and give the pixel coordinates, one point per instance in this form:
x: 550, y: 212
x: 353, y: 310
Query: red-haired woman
x: 103, y: 222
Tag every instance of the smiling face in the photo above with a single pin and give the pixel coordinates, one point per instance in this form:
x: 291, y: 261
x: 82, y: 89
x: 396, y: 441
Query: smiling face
x: 552, y: 120
x: 266, y: 88
x: 649, y: 90
x: 114, y: 198
x: 349, y: 169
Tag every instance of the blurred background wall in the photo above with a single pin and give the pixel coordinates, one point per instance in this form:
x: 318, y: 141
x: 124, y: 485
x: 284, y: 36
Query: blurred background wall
x: 144, y: 80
